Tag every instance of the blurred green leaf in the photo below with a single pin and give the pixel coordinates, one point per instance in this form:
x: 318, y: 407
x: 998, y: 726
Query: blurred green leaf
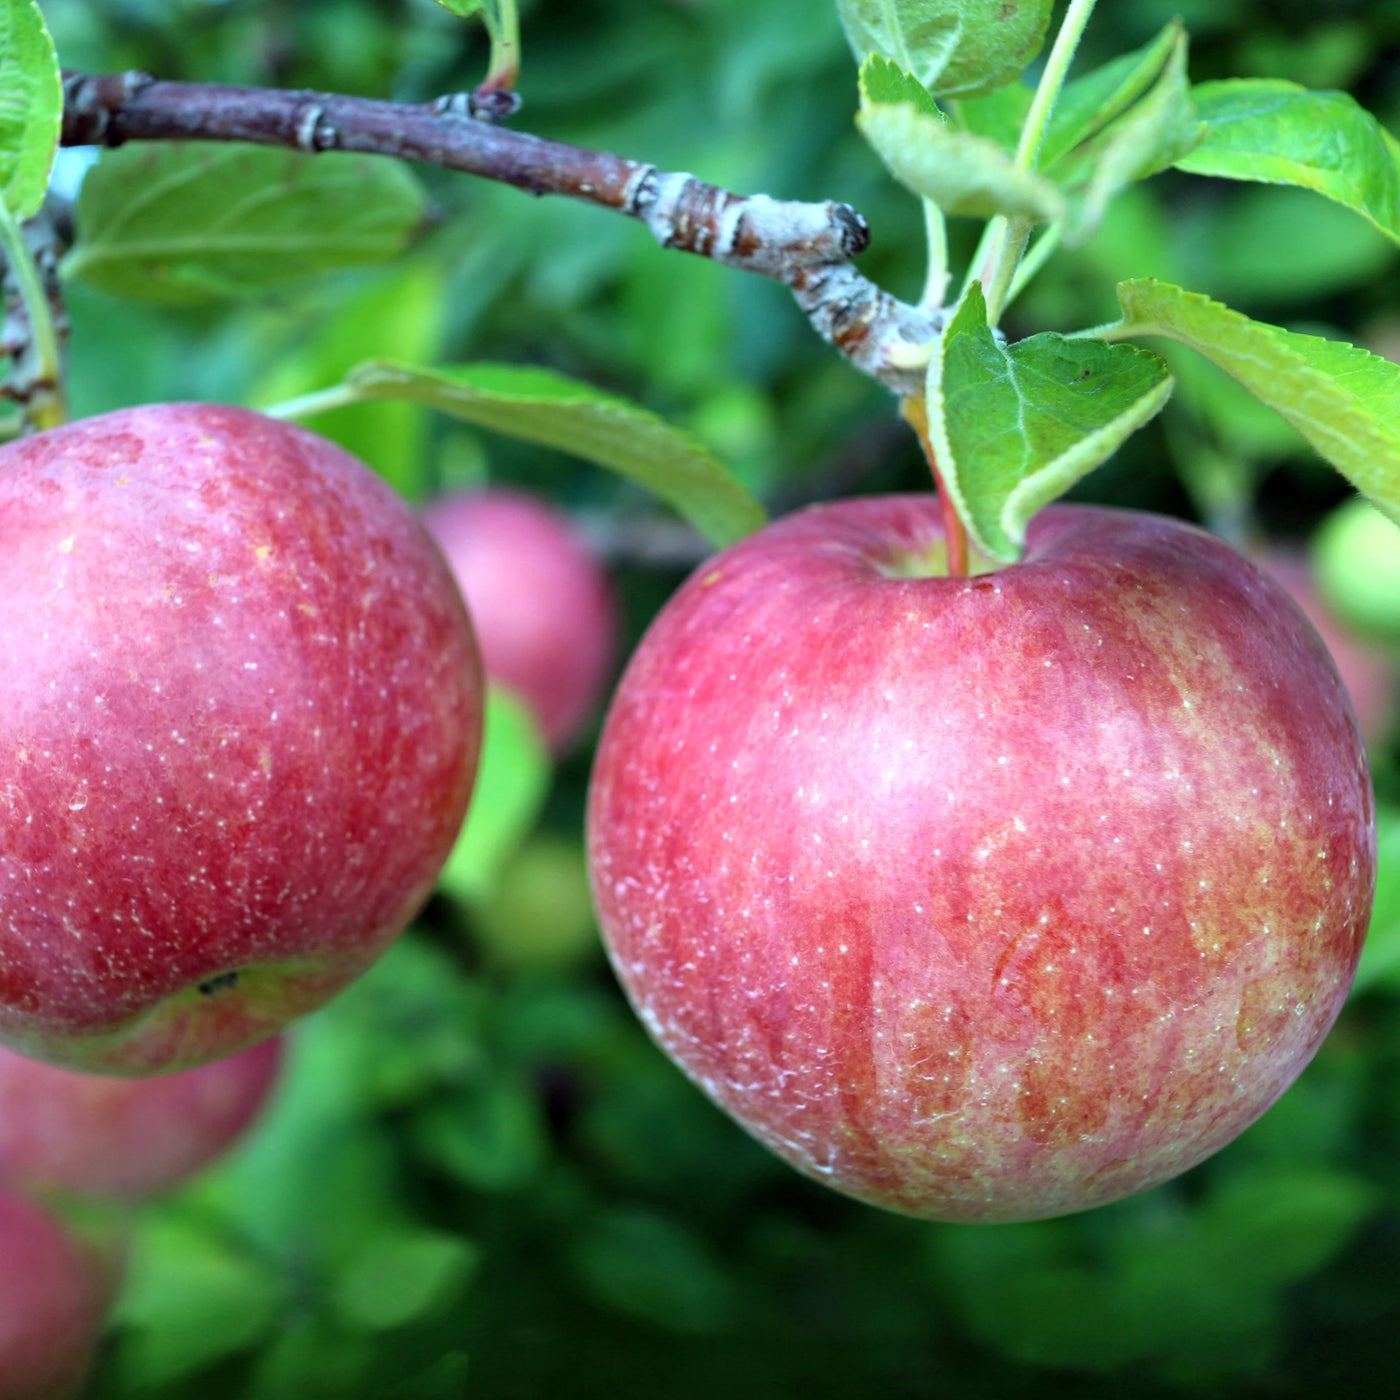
x: 539, y: 914
x: 31, y: 106
x: 400, y: 313
x: 885, y: 82
x: 490, y: 1137
x: 511, y: 784
x: 1278, y: 132
x: 399, y: 1273
x: 1356, y: 560
x: 955, y: 48
x: 183, y: 223
x: 1344, y: 400
x: 461, y: 7
x: 1014, y: 426
x: 651, y: 1266
x: 191, y: 1298
x: 959, y: 172
x: 540, y: 406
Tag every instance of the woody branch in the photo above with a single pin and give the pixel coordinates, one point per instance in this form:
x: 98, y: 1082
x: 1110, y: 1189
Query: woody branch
x: 808, y: 247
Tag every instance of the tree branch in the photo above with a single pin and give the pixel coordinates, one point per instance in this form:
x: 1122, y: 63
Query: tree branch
x: 808, y: 247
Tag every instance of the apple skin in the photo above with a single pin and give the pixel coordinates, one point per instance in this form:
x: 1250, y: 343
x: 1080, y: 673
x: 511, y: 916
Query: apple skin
x: 542, y: 607
x: 240, y: 707
x: 125, y: 1139
x: 53, y: 1298
x: 987, y: 898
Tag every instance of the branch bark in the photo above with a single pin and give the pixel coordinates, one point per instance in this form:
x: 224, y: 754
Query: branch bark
x: 808, y: 247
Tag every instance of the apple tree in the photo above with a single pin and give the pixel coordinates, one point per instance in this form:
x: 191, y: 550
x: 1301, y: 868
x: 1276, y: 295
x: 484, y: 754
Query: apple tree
x: 992, y: 834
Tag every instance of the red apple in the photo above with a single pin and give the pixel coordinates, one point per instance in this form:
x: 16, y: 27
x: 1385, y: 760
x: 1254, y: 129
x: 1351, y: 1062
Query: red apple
x: 1366, y: 671
x: 240, y: 706
x: 541, y: 605
x: 52, y: 1301
x: 125, y: 1139
x: 984, y: 898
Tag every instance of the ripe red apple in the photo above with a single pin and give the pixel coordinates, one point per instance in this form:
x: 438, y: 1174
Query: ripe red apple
x: 125, y: 1139
x: 52, y: 1300
x: 1366, y: 671
x: 240, y: 706
x: 541, y: 605
x: 984, y: 898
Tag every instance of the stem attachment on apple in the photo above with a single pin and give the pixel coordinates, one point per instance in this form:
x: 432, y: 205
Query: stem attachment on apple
x: 914, y: 411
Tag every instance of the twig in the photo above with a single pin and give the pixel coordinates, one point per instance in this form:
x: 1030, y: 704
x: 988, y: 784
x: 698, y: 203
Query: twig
x: 807, y: 246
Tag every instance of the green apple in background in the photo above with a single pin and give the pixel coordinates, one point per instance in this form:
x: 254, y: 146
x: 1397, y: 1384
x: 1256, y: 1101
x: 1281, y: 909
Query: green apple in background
x: 1356, y: 557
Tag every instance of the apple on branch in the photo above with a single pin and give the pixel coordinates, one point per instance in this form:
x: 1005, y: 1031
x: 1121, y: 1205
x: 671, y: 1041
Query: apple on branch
x: 239, y: 718
x: 984, y: 898
x: 542, y: 608
x: 112, y: 1139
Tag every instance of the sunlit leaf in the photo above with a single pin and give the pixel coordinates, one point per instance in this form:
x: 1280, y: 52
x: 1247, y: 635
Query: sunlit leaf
x: 1015, y: 426
x: 955, y: 48
x: 546, y: 408
x: 1344, y: 400
x: 31, y: 106
x: 1277, y: 132
x: 883, y: 81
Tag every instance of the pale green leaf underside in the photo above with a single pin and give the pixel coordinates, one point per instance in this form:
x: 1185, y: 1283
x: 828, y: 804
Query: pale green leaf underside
x: 31, y: 106
x: 1344, y: 400
x: 955, y: 48
x: 1015, y: 426
x: 187, y: 223
x: 539, y: 406
x: 959, y: 172
x: 1276, y: 132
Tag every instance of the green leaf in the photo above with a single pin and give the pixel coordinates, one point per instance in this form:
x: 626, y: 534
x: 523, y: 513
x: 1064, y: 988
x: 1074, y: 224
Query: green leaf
x: 1279, y: 133
x: 31, y: 106
x: 955, y: 48
x: 490, y: 1138
x: 1345, y: 401
x: 1148, y: 137
x: 1090, y: 104
x: 189, y: 223
x: 511, y: 785
x: 540, y: 406
x: 1014, y: 426
x: 959, y: 172
x: 190, y: 1298
x: 399, y: 313
x: 464, y: 8
x: 400, y: 1273
x: 882, y: 81
x: 999, y: 116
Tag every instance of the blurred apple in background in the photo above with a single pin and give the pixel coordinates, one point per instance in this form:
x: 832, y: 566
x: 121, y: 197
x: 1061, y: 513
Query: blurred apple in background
x: 240, y: 706
x: 53, y: 1298
x: 1367, y: 671
x: 541, y: 604
x: 125, y: 1139
x: 1356, y: 560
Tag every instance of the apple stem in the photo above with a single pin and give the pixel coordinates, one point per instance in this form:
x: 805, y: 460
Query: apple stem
x: 36, y: 376
x: 914, y: 411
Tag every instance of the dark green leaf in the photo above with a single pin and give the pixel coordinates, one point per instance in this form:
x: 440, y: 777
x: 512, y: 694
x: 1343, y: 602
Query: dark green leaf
x: 31, y: 106
x: 955, y: 48
x: 189, y: 223
x: 1345, y: 401
x: 546, y: 408
x: 399, y: 1273
x: 1015, y: 426
x: 1279, y: 133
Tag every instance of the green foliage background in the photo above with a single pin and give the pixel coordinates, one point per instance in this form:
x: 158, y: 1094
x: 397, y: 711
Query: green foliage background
x: 479, y: 1176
